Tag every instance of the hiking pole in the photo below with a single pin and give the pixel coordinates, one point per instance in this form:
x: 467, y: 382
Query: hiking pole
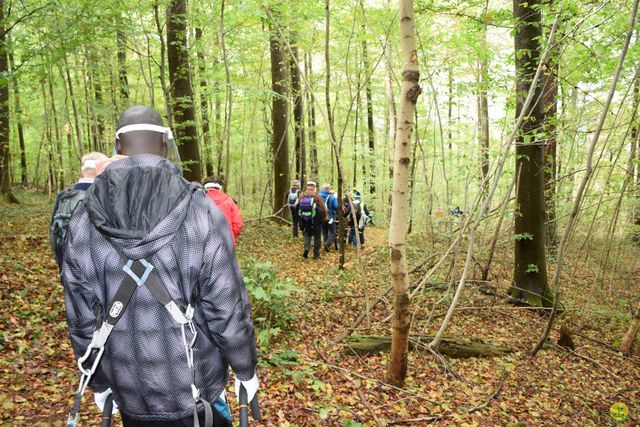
x: 106, y: 413
x: 244, y: 408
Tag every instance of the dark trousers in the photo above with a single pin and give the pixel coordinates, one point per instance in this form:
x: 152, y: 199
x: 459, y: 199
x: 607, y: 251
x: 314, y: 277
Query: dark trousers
x: 329, y: 233
x: 218, y: 421
x: 352, y: 237
x: 295, y: 221
x: 313, y: 232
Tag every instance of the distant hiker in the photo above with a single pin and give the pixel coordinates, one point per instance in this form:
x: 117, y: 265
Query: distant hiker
x: 312, y: 212
x: 329, y: 227
x: 151, y: 279
x: 226, y: 204
x: 457, y: 212
x: 362, y: 218
x: 292, y: 203
x: 67, y: 201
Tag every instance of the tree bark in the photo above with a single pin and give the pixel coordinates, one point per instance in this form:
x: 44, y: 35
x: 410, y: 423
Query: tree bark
x: 18, y: 115
x: 530, y: 271
x: 74, y: 106
x: 279, y: 120
x: 5, y: 154
x: 627, y: 341
x: 56, y: 129
x: 313, y: 147
x: 298, y: 111
x: 483, y: 102
x: 183, y: 106
x: 204, y: 105
x: 550, y: 100
x: 163, y: 80
x: 371, y: 133
x: 397, y: 369
x: 121, y: 41
x: 228, y: 99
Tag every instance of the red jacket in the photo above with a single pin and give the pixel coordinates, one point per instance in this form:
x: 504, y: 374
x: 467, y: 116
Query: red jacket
x: 229, y: 209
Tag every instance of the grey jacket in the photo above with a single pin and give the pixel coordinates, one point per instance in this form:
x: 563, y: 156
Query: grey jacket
x: 141, y: 207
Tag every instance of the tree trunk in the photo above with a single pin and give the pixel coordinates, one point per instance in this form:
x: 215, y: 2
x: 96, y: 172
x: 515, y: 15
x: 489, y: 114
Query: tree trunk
x: 5, y: 154
x: 279, y: 119
x: 397, y: 369
x: 163, y: 79
x: 483, y: 103
x: 228, y: 99
x: 18, y: 115
x: 336, y: 152
x: 370, y: 125
x: 530, y: 270
x: 204, y: 105
x: 184, y: 113
x: 121, y: 40
x: 298, y: 111
x: 56, y: 129
x: 74, y: 106
x: 632, y: 332
x: 313, y: 147
x: 550, y: 100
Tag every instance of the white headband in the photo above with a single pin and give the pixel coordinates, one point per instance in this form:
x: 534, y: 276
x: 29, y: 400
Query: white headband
x: 311, y: 183
x: 142, y: 126
x: 215, y: 185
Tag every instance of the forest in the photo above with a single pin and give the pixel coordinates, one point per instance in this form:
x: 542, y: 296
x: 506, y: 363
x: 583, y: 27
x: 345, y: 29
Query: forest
x: 495, y: 144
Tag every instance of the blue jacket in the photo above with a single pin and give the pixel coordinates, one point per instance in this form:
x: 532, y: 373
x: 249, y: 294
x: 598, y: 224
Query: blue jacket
x: 332, y: 203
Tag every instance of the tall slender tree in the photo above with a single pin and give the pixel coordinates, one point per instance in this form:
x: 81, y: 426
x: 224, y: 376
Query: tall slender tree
x: 530, y: 272
x: 397, y: 368
x: 279, y: 117
x: 183, y: 106
x: 18, y: 115
x: 5, y: 154
x: 483, y: 99
x: 121, y: 39
x: 204, y: 104
x: 298, y: 110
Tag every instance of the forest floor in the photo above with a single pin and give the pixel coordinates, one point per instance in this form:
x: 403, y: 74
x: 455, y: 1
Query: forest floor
x: 308, y: 375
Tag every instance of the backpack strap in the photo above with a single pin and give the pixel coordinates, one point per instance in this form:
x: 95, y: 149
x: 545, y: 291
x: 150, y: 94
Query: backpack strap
x: 141, y: 273
x: 114, y: 314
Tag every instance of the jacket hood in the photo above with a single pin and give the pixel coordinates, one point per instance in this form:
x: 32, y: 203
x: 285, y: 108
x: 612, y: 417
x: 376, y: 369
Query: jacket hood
x: 324, y: 193
x: 139, y: 203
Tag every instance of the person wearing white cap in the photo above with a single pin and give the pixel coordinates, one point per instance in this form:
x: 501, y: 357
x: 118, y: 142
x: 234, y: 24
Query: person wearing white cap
x: 88, y: 169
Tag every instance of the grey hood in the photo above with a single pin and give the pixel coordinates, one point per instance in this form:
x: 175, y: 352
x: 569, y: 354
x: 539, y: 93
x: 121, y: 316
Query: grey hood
x: 139, y: 203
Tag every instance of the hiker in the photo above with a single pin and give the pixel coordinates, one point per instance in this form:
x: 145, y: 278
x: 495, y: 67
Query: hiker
x: 88, y: 171
x: 67, y: 201
x: 292, y: 203
x: 226, y: 204
x: 151, y: 264
x: 329, y: 227
x: 362, y: 218
x: 312, y: 212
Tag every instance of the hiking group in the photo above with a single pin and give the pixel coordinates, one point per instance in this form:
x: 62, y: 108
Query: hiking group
x: 156, y: 306
x: 315, y: 213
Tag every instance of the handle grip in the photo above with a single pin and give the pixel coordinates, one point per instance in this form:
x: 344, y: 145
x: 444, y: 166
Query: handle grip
x: 106, y: 412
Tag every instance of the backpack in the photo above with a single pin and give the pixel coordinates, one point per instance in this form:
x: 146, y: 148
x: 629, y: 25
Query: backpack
x: 307, y: 208
x: 68, y: 201
x: 364, y: 219
x: 292, y: 199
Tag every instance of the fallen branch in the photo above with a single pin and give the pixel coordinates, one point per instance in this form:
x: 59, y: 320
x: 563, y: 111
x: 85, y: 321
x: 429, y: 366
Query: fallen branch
x: 452, y: 347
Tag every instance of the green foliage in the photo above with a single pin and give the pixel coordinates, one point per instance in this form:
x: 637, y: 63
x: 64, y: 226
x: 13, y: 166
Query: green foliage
x: 272, y: 299
x: 523, y: 236
x: 532, y: 268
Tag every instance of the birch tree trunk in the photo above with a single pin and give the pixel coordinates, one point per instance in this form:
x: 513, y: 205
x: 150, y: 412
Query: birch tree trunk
x: 410, y: 91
